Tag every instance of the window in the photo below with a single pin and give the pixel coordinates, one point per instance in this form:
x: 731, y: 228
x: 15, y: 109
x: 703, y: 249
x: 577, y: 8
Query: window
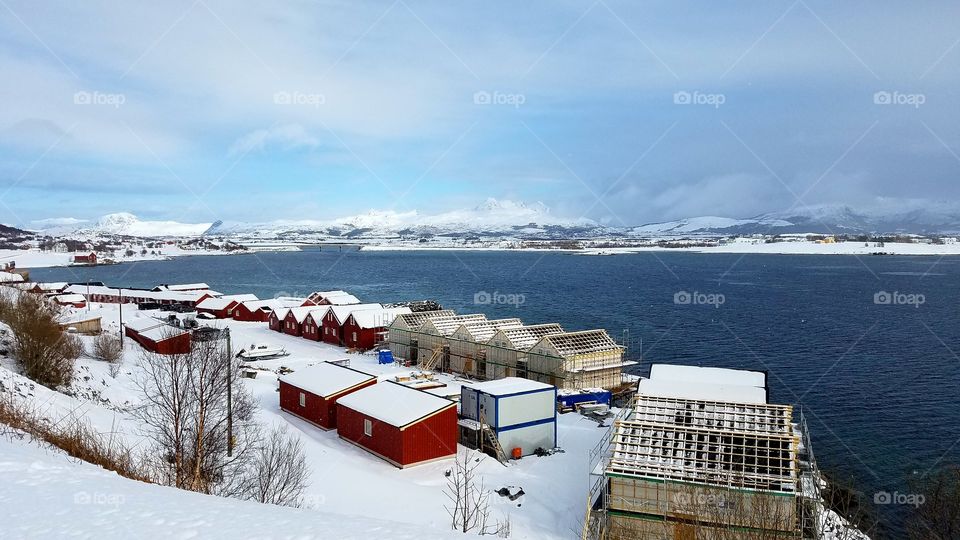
x: 354, y: 336
x: 326, y: 330
x: 367, y: 427
x: 303, y: 399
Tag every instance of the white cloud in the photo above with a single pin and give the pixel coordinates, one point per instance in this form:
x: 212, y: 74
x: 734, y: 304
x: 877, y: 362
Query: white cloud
x: 286, y: 137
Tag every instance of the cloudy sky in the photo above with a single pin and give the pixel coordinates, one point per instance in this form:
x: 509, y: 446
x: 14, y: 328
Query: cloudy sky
x: 623, y: 112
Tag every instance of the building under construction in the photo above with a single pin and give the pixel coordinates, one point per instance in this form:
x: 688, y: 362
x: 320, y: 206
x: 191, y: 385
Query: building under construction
x: 486, y: 349
x: 700, y: 454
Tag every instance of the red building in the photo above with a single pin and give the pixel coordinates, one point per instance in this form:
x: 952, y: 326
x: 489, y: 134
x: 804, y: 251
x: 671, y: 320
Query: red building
x: 90, y: 258
x: 72, y: 300
x: 293, y: 320
x: 221, y: 308
x: 157, y: 336
x: 330, y: 298
x: 402, y: 425
x: 276, y: 319
x: 312, y: 392
x: 255, y: 311
x: 335, y: 316
x: 312, y: 325
x: 367, y: 328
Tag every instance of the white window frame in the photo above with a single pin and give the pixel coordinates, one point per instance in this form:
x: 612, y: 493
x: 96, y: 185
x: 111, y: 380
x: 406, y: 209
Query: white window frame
x: 367, y: 427
x: 303, y: 399
x: 354, y: 336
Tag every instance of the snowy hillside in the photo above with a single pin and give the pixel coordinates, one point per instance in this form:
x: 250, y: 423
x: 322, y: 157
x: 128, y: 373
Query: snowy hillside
x: 46, y: 494
x: 120, y: 223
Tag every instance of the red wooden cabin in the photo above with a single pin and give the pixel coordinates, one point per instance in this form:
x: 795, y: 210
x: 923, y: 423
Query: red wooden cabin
x: 312, y: 392
x: 401, y: 425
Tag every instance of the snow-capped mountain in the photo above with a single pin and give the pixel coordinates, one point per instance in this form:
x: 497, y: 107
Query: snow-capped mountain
x: 503, y: 218
x: 492, y: 217
x: 119, y: 224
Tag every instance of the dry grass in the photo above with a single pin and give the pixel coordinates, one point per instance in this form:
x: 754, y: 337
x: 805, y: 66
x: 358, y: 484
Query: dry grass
x: 78, y: 439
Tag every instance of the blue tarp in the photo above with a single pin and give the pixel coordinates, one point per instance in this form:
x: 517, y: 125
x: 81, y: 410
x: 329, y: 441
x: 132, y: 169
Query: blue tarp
x: 385, y: 357
x: 569, y: 400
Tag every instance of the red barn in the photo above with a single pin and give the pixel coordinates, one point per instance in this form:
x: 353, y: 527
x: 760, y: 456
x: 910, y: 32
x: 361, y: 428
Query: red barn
x: 402, y: 425
x: 365, y: 329
x: 335, y: 316
x: 311, y: 327
x: 221, y: 308
x: 312, y: 392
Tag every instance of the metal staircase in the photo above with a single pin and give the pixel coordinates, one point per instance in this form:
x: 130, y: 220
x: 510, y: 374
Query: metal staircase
x: 489, y: 437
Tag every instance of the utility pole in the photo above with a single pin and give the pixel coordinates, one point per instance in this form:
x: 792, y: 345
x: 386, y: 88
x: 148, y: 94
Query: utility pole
x: 229, y: 396
x: 120, y: 290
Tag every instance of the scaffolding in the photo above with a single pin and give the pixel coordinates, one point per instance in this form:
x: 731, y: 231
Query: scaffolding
x: 671, y: 467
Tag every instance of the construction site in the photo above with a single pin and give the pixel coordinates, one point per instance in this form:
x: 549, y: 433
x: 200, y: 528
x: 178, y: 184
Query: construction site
x: 700, y: 455
x: 485, y: 349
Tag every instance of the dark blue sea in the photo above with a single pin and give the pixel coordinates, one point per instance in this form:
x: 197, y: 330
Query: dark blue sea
x: 878, y: 382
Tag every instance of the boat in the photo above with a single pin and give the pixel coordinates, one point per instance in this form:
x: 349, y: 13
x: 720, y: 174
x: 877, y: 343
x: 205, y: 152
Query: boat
x: 261, y: 351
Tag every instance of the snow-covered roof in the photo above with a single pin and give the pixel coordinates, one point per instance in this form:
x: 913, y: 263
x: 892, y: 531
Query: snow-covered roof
x: 10, y: 277
x: 336, y: 298
x: 342, y: 312
x: 175, y: 296
x: 508, y: 386
x: 481, y: 330
x: 394, y: 403
x: 184, y: 287
x: 299, y: 313
x: 161, y: 333
x: 215, y: 303
x: 68, y: 298
x: 139, y: 324
x: 54, y: 286
x: 280, y: 312
x: 80, y: 317
x: 325, y: 379
x: 377, y: 318
x: 247, y: 297
x: 706, y: 383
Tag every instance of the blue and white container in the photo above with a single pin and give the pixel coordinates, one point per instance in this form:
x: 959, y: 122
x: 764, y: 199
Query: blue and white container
x: 521, y: 412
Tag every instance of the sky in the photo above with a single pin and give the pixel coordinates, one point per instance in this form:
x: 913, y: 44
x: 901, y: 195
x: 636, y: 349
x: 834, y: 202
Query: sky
x: 622, y: 112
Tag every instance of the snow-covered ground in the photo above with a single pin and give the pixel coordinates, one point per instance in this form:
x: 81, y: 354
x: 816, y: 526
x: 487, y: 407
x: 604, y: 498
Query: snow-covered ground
x: 346, y: 481
x: 34, y: 258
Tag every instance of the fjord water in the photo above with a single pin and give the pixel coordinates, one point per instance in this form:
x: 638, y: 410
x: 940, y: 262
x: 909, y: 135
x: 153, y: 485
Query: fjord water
x: 878, y: 382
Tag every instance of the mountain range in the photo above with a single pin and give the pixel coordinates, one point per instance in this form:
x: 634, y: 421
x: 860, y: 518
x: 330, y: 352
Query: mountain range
x: 504, y: 218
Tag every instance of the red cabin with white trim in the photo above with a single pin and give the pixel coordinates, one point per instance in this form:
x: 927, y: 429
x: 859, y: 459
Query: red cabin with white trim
x: 312, y: 392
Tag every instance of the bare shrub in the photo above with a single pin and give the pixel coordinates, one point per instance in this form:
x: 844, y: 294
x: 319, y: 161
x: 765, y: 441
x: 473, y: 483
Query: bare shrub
x: 279, y: 470
x: 75, y: 437
x: 45, y: 353
x: 108, y: 347
x: 469, y: 503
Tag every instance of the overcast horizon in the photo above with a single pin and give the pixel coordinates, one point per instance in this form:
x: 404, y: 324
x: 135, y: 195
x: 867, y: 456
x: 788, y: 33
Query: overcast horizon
x: 624, y: 114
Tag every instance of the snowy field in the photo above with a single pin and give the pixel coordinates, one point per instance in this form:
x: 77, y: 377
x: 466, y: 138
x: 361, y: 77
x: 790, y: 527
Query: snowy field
x: 346, y: 481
